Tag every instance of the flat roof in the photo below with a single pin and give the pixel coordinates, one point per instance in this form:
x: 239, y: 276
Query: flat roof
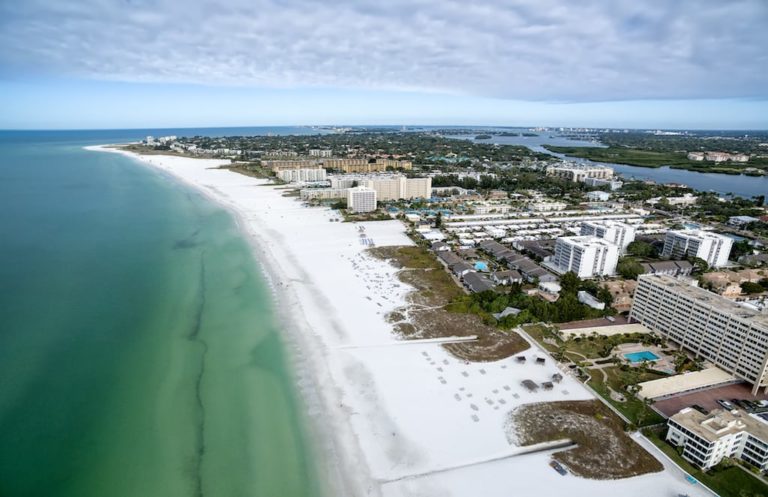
x: 720, y: 423
x: 706, y: 297
x: 607, y: 331
x: 685, y: 382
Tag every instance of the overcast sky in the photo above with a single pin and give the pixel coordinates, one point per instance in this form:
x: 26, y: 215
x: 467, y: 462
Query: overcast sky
x: 107, y: 63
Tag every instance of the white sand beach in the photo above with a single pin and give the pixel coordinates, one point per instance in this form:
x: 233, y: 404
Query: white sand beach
x: 393, y: 418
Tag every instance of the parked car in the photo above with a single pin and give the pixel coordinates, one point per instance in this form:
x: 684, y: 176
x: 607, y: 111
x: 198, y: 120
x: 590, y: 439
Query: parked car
x: 726, y: 405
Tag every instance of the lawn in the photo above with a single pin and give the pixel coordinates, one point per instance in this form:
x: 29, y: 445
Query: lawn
x: 729, y: 482
x: 633, y: 408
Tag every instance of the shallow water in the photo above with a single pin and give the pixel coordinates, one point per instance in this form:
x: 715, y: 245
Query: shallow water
x: 139, y: 355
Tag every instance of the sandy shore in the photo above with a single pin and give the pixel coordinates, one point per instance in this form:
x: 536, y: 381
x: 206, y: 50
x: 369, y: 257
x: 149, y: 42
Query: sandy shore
x: 390, y: 418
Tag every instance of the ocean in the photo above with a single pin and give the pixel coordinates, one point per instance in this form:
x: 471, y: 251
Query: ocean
x: 139, y: 351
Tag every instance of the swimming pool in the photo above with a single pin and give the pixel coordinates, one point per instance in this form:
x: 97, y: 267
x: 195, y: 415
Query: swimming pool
x: 645, y: 355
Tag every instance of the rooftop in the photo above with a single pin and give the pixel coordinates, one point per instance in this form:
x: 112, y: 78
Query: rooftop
x: 704, y: 297
x: 720, y: 423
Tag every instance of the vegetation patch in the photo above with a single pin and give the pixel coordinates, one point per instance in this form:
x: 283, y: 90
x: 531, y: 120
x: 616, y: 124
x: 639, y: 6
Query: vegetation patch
x: 425, y: 315
x: 604, y: 451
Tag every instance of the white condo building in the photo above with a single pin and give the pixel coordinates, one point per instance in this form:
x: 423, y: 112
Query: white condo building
x: 620, y: 234
x: 733, y: 337
x: 587, y: 256
x: 706, y: 245
x: 707, y: 439
x: 361, y: 199
x: 388, y: 186
x: 578, y: 173
x: 301, y: 175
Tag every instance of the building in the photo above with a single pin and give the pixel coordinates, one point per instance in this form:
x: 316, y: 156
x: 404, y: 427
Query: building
x: 672, y: 268
x: 620, y: 234
x: 361, y: 199
x: 697, y: 156
x: 301, y: 175
x: 576, y: 173
x: 587, y: 256
x: 707, y: 439
x: 547, y: 206
x: 387, y: 186
x: 706, y: 245
x: 323, y: 193
x: 684, y: 200
x: 366, y: 165
x: 317, y: 152
x: 477, y: 283
x: 733, y: 337
x: 277, y: 165
x: 600, y: 182
x: 598, y: 196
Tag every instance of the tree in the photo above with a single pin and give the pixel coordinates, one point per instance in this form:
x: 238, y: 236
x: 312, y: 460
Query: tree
x: 439, y: 220
x: 699, y: 264
x: 749, y: 288
x: 629, y: 268
x: 604, y: 295
x: 641, y: 249
x: 570, y: 282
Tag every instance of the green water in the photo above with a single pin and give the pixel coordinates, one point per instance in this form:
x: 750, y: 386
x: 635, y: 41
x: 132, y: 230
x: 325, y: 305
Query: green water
x: 138, y: 351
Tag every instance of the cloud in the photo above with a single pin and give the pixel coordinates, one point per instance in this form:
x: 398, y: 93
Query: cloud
x: 551, y: 50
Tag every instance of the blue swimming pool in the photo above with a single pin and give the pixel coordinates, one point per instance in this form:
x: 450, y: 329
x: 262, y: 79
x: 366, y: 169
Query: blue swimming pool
x: 645, y: 355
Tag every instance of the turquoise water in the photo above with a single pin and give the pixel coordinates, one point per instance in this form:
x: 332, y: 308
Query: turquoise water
x: 139, y: 354
x: 645, y: 355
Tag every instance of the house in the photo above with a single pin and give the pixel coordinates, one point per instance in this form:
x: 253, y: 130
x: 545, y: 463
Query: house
x: 448, y: 257
x: 477, y: 282
x: 461, y: 268
x: 672, y: 268
x: 440, y: 246
x: 506, y: 277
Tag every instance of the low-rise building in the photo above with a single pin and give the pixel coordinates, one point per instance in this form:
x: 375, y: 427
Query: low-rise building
x: 477, y: 282
x: 301, y: 175
x: 707, y: 439
x: 577, y: 173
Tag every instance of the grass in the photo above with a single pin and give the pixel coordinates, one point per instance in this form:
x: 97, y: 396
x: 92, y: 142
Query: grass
x: 728, y: 482
x: 434, y: 289
x: 633, y: 408
x: 604, y: 451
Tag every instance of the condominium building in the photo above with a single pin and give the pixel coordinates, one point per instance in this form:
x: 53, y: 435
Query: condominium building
x: 317, y: 152
x: 323, y: 193
x: 620, y: 234
x: 707, y: 439
x: 599, y: 182
x: 587, y: 256
x: 388, y: 187
x: 578, y: 173
x: 278, y: 165
x: 706, y: 245
x: 361, y: 199
x: 366, y: 165
x: 300, y: 175
x: 733, y: 337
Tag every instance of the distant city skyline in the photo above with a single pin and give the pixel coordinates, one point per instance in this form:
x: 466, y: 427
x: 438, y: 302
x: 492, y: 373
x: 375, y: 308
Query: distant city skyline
x: 692, y: 64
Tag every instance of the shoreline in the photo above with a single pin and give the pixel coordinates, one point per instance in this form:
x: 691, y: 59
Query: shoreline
x: 384, y: 421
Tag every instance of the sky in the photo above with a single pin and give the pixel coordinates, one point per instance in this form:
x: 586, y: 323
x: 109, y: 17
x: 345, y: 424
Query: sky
x: 700, y: 64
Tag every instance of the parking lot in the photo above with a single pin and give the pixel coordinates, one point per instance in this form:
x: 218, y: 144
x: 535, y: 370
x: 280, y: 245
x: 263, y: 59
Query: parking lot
x: 708, y: 398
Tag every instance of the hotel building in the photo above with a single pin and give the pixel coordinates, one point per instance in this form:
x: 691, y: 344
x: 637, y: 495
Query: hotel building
x: 587, y: 256
x: 388, y: 187
x: 301, y: 175
x: 706, y: 245
x: 707, y: 439
x: 620, y: 234
x: 733, y: 337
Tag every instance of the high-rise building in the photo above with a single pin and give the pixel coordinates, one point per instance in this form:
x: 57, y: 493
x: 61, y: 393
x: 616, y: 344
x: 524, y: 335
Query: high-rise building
x: 620, y: 234
x: 711, y: 247
x: 361, y: 199
x: 733, y: 337
x: 587, y: 256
